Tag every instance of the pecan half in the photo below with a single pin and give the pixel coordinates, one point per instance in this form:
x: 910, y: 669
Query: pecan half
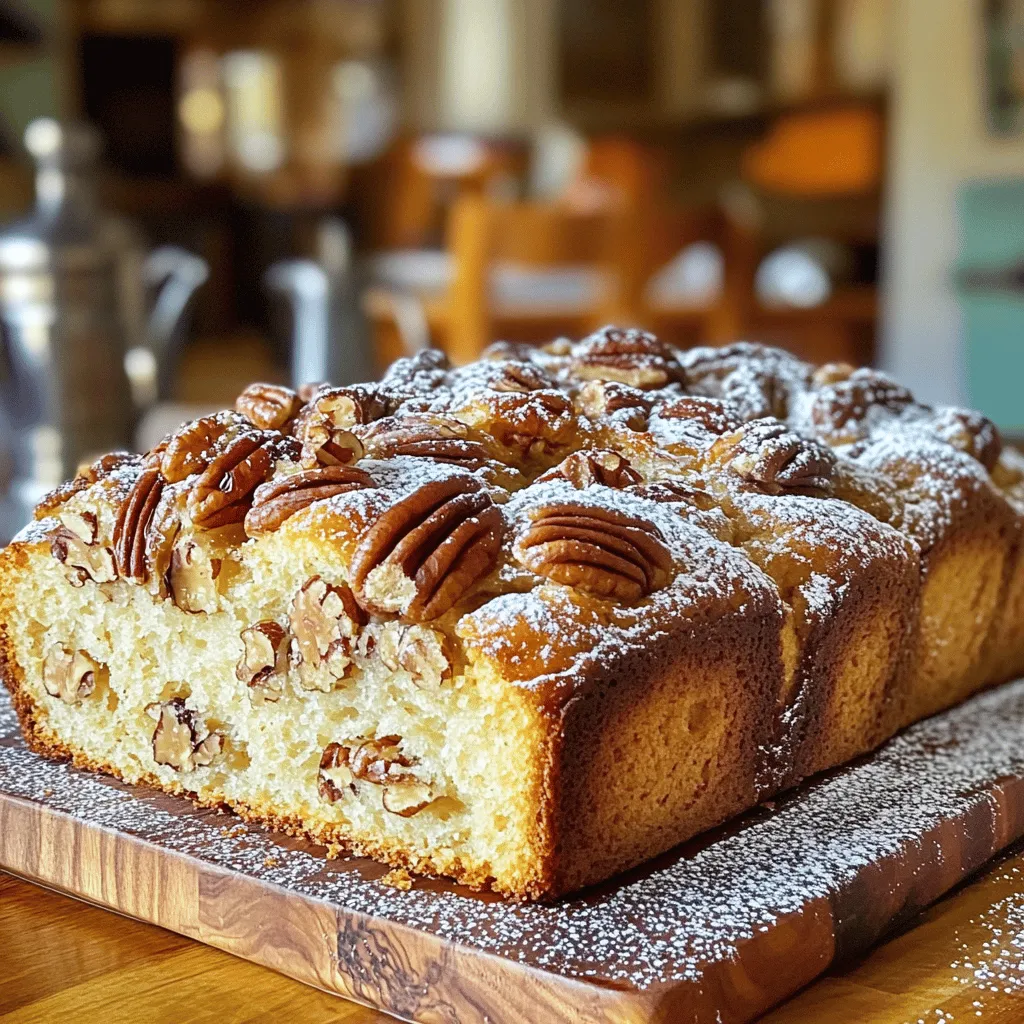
x: 420, y: 374
x: 428, y: 550
x: 756, y: 379
x: 278, y: 500
x: 518, y: 376
x: 596, y: 466
x: 418, y: 650
x: 223, y: 493
x: 268, y: 406
x: 970, y: 432
x: 84, y: 561
x: 181, y: 739
x: 842, y: 413
x: 425, y: 437
x: 133, y: 519
x: 325, y: 622
x: 192, y: 447
x: 712, y: 414
x: 264, y: 662
x: 602, y: 399
x: 600, y: 552
x: 499, y: 351
x: 70, y: 676
x: 677, y: 492
x: 627, y: 355
x: 770, y: 456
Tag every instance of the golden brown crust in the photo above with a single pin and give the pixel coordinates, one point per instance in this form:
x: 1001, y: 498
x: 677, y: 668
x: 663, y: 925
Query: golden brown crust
x: 694, y: 626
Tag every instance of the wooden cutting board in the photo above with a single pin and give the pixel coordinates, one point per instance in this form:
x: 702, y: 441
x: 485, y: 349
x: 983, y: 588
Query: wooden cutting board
x: 721, y: 929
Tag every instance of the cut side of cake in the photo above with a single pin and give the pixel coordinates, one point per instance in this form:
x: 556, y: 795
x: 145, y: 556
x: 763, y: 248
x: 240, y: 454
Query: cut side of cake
x: 525, y: 623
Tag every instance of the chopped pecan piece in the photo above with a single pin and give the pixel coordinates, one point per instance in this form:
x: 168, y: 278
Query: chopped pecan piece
x: 193, y: 577
x: 627, y: 355
x: 278, y: 500
x: 70, y: 676
x: 325, y: 621
x: 428, y: 550
x: 844, y: 412
x: 268, y: 406
x: 82, y: 523
x: 596, y: 466
x: 334, y: 775
x: 407, y: 796
x: 264, y: 661
x: 181, y: 739
x: 770, y: 456
x: 600, y: 552
x: 418, y: 650
x: 84, y: 561
x: 133, y: 520
x: 600, y: 399
x: 425, y: 437
x: 223, y: 493
x: 323, y: 427
x: 191, y: 448
x: 380, y: 762
x: 970, y: 432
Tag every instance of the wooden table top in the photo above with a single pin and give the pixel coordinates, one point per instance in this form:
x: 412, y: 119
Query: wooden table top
x: 63, y: 960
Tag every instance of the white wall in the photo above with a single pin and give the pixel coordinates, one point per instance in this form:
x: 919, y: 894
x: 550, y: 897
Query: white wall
x: 938, y: 139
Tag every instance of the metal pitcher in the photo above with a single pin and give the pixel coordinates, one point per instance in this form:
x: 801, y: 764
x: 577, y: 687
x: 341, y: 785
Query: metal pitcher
x: 328, y: 337
x: 89, y: 325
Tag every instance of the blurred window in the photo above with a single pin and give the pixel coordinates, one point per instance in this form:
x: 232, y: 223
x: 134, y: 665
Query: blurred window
x: 255, y: 110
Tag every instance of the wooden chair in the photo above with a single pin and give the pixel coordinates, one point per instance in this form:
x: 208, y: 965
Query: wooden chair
x: 814, y: 155
x: 521, y: 271
x: 659, y: 234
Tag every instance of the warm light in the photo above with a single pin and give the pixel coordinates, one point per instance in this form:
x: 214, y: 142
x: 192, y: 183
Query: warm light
x: 255, y: 109
x: 201, y: 111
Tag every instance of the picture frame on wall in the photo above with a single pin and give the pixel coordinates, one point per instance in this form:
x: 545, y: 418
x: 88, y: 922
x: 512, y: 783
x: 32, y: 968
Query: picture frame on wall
x: 1004, y: 66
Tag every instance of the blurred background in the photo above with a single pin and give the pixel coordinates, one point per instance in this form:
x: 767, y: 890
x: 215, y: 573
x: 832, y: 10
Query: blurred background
x: 229, y: 190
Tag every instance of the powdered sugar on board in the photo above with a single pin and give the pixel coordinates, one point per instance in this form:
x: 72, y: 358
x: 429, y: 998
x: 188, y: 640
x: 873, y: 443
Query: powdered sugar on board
x: 674, y: 922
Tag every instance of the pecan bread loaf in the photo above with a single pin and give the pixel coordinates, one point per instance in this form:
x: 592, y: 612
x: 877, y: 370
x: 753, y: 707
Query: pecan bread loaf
x: 527, y: 622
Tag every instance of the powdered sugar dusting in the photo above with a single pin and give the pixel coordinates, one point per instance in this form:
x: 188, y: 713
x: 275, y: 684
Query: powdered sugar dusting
x: 683, y: 915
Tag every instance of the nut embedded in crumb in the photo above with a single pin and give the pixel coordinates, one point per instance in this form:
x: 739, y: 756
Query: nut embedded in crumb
x: 397, y: 878
x: 418, y: 650
x: 84, y: 561
x: 181, y: 739
x: 264, y: 661
x: 325, y: 621
x: 193, y: 577
x: 70, y: 677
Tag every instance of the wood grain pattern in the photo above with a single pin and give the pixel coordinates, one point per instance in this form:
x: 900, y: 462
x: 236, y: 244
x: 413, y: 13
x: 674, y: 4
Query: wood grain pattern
x: 725, y: 928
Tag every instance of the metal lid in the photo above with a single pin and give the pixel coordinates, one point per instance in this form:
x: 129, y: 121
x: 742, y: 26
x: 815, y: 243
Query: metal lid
x: 63, y: 231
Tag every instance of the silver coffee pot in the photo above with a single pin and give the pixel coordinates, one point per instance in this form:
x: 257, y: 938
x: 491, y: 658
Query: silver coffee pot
x: 89, y: 324
x: 328, y: 337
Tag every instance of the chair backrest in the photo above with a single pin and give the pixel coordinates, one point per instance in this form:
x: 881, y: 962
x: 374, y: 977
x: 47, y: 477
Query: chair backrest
x: 483, y: 233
